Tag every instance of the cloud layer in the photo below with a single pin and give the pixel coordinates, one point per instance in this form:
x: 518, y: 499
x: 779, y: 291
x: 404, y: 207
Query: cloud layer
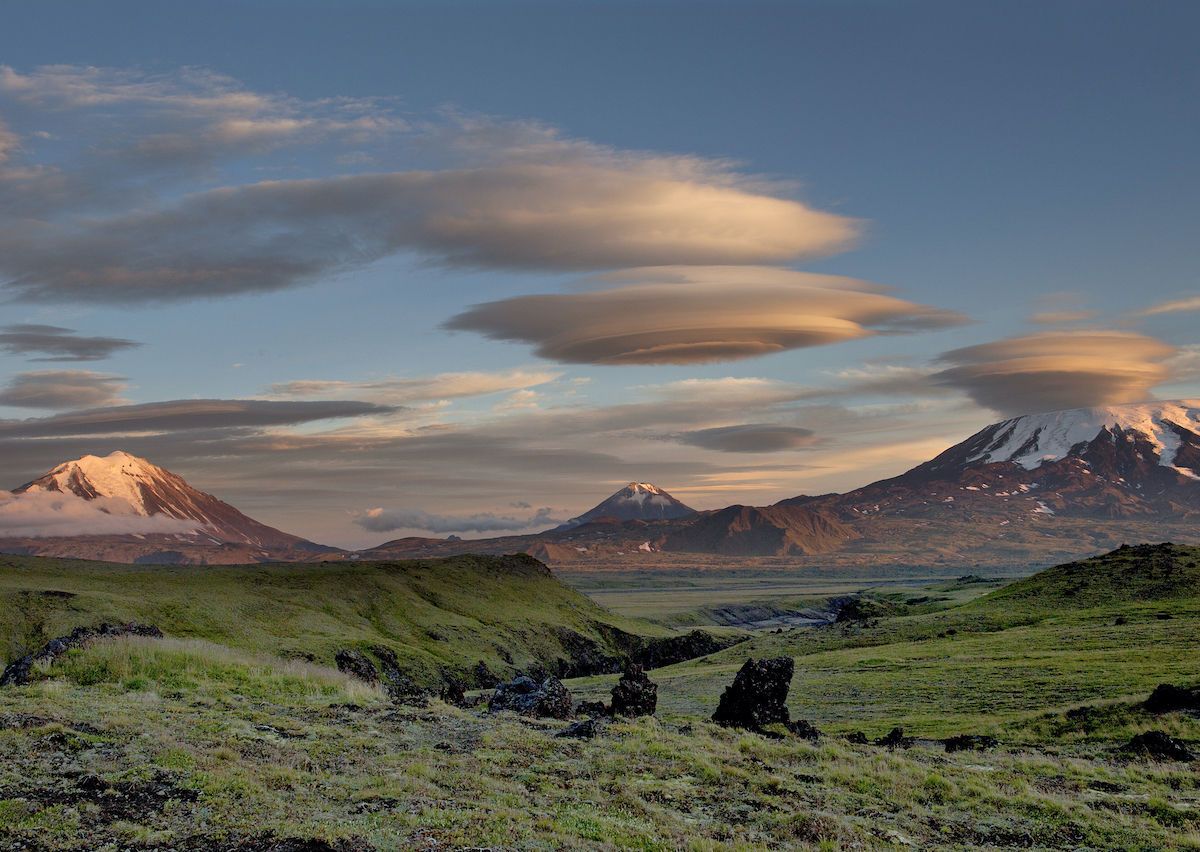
x: 1053, y: 371
x: 55, y: 343
x: 184, y: 415
x: 37, y: 514
x: 688, y: 315
x: 389, y: 520
x: 511, y: 196
x: 62, y: 389
x: 750, y: 438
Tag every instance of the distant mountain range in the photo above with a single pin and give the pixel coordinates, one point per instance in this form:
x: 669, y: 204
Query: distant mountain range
x: 1036, y: 489
x: 1029, y: 490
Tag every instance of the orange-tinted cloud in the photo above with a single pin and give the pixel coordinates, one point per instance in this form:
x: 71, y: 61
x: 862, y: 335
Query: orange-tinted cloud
x: 687, y: 315
x: 1056, y: 370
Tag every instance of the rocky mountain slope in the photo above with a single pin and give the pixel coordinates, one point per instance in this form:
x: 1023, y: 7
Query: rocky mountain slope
x: 130, y: 487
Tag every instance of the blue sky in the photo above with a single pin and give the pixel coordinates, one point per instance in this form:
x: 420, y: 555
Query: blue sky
x: 999, y: 160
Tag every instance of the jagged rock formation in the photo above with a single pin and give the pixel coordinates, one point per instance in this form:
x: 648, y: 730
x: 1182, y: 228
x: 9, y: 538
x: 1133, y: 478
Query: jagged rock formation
x: 758, y: 695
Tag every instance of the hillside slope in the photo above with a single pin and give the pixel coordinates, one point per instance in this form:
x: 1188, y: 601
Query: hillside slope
x: 440, y: 617
x: 1128, y: 575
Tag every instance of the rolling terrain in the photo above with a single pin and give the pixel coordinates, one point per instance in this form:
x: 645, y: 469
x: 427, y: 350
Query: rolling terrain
x: 441, y: 617
x: 183, y: 743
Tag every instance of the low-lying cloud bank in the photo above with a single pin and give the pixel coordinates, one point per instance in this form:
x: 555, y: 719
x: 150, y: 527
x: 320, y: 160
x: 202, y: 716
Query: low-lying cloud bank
x: 43, y: 514
x: 387, y: 520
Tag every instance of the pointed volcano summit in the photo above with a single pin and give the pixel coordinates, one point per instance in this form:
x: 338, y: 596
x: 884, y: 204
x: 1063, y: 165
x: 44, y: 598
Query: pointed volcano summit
x: 637, y: 501
x: 133, y: 486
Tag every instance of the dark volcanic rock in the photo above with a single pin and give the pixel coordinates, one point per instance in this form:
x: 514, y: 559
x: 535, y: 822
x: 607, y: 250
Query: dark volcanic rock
x: 857, y: 738
x: 17, y: 672
x: 1167, y: 698
x: 583, y: 730
x: 635, y: 694
x: 969, y: 742
x: 402, y: 688
x: 356, y: 663
x: 758, y: 695
x: 591, y: 708
x: 1158, y: 745
x: 484, y: 677
x: 804, y: 729
x: 454, y: 693
x: 527, y: 697
x: 895, y: 739
x: 669, y: 650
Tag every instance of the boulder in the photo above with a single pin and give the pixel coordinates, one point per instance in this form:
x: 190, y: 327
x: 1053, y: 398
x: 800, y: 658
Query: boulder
x: 1167, y: 698
x: 895, y: 739
x: 856, y: 738
x: 758, y: 695
x: 635, y: 694
x: 804, y: 729
x: 527, y: 697
x: 1160, y: 746
x: 591, y: 708
x: 583, y: 730
x: 969, y: 742
x: 454, y: 693
x: 356, y: 663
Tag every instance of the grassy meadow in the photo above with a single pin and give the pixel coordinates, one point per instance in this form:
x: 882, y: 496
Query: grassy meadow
x: 190, y: 743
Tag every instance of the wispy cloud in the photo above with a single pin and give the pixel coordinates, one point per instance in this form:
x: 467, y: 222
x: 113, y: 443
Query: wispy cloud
x: 55, y: 343
x: 62, y: 389
x: 512, y: 196
x: 389, y: 520
x: 399, y: 391
x: 1174, y: 306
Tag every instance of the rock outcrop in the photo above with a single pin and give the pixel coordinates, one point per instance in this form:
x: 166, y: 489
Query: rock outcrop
x: 758, y: 695
x: 18, y: 672
x: 1168, y: 698
x: 635, y: 694
x: 525, y: 696
x: 1158, y: 745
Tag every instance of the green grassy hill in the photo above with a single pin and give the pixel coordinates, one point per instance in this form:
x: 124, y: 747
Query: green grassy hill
x: 440, y: 616
x: 1135, y: 575
x: 1102, y: 629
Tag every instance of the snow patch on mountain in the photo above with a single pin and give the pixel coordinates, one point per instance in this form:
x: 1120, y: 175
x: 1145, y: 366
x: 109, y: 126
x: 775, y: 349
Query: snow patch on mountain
x: 1034, y: 439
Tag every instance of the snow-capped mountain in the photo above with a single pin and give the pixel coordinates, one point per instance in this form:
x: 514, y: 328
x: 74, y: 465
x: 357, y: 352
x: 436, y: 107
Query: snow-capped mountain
x: 637, y: 501
x: 125, y: 486
x: 1165, y: 432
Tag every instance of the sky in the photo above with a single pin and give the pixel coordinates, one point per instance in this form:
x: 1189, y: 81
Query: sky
x: 369, y: 269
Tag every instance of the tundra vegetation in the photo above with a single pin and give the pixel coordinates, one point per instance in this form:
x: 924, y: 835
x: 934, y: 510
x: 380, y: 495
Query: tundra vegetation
x: 1021, y: 717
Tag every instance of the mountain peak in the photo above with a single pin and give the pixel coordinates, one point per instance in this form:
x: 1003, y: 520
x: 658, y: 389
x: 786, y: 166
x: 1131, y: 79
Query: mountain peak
x: 151, y: 490
x: 1166, y: 430
x: 637, y: 501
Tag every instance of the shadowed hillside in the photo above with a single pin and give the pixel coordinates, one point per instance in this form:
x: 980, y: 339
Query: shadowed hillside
x: 1146, y: 572
x: 440, y: 617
